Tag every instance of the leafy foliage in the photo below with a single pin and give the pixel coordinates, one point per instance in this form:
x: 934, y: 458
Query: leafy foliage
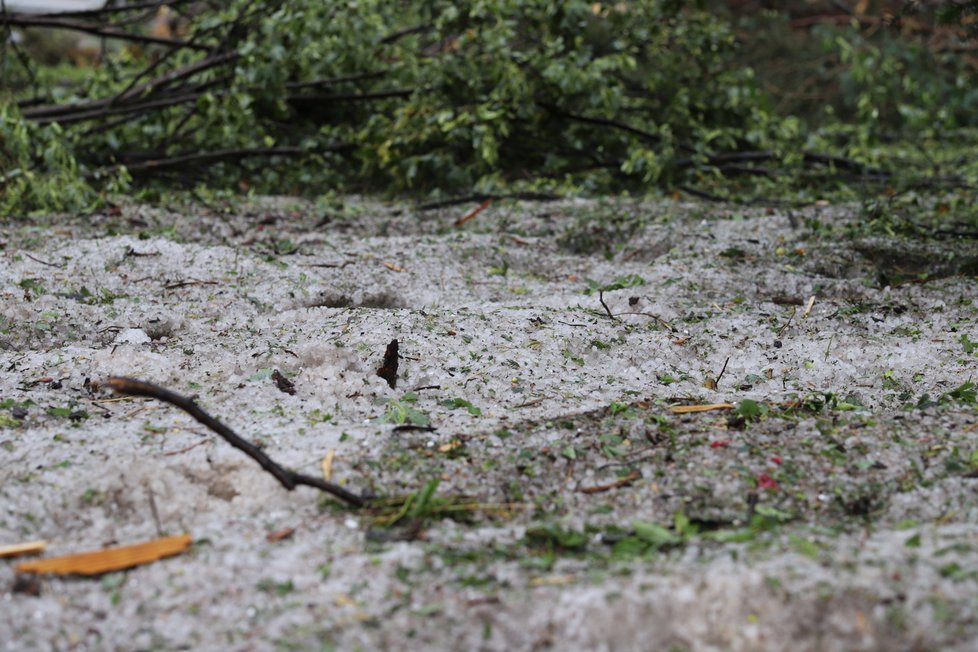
x: 421, y: 97
x: 490, y: 96
x: 37, y: 169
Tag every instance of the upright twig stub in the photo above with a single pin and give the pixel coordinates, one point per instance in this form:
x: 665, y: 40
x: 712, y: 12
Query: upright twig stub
x: 605, y: 305
x: 388, y: 370
x: 722, y: 371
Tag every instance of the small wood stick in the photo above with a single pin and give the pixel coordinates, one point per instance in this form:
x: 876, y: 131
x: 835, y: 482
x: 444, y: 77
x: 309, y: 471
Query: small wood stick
x: 327, y: 464
x: 288, y: 479
x: 17, y: 549
x: 787, y: 323
x: 472, y: 213
x: 621, y: 482
x: 686, y: 409
x: 97, y: 562
x: 808, y: 306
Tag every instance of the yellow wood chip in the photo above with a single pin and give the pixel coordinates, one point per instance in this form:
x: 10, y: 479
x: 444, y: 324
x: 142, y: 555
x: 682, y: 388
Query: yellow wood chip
x: 17, y: 549
x: 109, y: 559
x: 343, y: 600
x: 449, y: 446
x: 683, y: 409
x: 394, y: 268
x: 327, y: 464
x: 553, y: 580
x: 808, y: 306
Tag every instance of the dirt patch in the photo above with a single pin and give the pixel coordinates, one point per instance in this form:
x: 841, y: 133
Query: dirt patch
x: 539, y: 487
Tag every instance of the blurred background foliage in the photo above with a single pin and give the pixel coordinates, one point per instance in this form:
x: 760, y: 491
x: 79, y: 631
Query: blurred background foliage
x: 739, y: 100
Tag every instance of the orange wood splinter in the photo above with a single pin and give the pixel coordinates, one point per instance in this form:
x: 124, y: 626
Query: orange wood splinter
x: 109, y: 559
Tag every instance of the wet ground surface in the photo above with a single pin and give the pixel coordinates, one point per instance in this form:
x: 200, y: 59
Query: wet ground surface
x: 540, y: 479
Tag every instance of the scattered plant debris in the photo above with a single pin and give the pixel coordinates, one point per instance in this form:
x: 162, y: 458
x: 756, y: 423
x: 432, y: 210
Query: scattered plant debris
x: 283, y: 383
x: 388, y: 370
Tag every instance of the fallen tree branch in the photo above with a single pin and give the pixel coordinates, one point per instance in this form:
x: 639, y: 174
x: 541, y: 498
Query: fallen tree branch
x: 117, y: 9
x: 479, y: 197
x: 605, y: 122
x: 49, y: 110
x: 336, y: 80
x: 107, y: 31
x: 352, y: 97
x: 208, y: 157
x: 129, y: 108
x: 287, y: 478
x: 396, y: 36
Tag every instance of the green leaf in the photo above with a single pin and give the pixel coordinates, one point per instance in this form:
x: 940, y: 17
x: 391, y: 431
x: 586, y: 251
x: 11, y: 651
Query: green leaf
x: 423, y: 499
x: 552, y: 535
x: 805, y: 547
x: 751, y: 410
x: 399, y: 413
x: 683, y: 526
x: 965, y: 393
x: 620, y: 283
x: 456, y: 403
x: 655, y: 534
x: 969, y: 346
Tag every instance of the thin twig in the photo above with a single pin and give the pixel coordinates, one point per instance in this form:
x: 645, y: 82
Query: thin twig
x: 43, y: 262
x: 468, y: 199
x: 621, y: 482
x: 722, y: 371
x: 335, y: 80
x: 287, y: 478
x: 652, y: 315
x: 351, y: 97
x: 605, y: 305
x: 472, y: 213
x: 531, y: 403
x: 395, y: 36
x: 605, y: 122
x: 781, y: 330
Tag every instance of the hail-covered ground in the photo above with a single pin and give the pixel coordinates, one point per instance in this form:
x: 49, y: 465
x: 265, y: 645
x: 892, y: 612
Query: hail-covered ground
x: 535, y: 480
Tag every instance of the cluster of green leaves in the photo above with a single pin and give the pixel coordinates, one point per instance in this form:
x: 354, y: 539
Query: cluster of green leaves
x: 921, y: 214
x: 426, y: 97
x: 889, y: 89
x: 402, y: 412
x: 38, y: 169
x: 965, y: 394
x: 646, y: 538
x: 441, y: 97
x: 620, y: 283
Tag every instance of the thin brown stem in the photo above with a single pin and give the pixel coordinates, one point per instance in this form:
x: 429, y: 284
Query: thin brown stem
x: 287, y: 478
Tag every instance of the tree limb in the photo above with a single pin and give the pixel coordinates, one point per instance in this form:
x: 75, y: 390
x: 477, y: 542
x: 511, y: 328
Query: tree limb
x: 107, y: 31
x: 211, y: 157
